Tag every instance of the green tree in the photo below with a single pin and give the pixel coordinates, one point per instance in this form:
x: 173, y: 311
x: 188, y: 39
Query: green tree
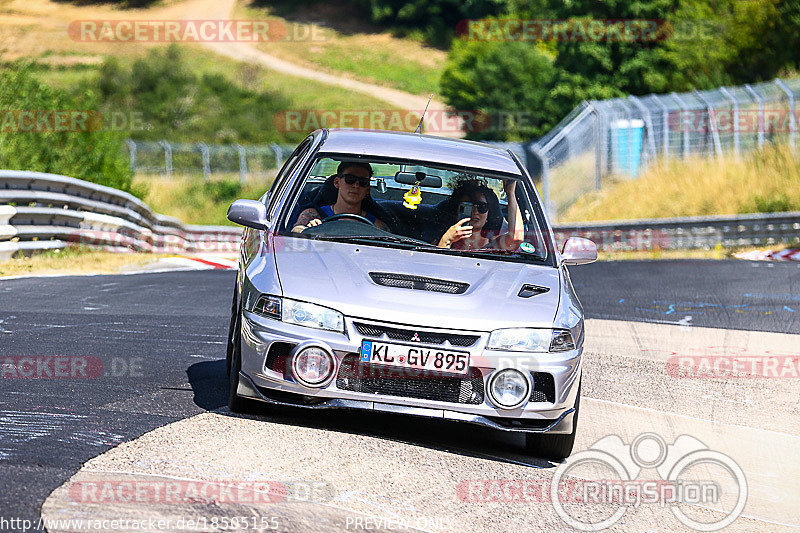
x: 699, y: 44
x: 437, y: 20
x: 508, y: 81
x: 79, y: 148
x: 172, y: 102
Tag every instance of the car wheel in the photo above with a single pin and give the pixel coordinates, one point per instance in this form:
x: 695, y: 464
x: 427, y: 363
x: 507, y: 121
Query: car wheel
x: 235, y: 402
x: 558, y: 446
x: 232, y: 328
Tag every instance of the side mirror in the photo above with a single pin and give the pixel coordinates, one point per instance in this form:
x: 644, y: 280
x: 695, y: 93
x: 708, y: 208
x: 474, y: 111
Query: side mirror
x: 250, y: 213
x: 578, y: 251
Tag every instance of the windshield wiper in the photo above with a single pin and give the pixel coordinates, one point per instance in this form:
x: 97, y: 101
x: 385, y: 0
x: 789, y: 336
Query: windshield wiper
x: 506, y: 253
x: 381, y: 238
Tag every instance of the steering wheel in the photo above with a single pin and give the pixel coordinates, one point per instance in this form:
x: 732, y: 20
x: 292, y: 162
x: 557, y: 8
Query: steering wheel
x: 351, y: 216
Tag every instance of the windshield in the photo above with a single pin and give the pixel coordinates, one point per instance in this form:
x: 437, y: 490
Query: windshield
x: 431, y: 208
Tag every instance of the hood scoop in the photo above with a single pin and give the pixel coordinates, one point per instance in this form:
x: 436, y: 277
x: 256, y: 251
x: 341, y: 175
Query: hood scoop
x: 420, y: 283
x: 529, y: 290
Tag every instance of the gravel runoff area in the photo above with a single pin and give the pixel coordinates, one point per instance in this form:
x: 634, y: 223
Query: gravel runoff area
x: 324, y: 476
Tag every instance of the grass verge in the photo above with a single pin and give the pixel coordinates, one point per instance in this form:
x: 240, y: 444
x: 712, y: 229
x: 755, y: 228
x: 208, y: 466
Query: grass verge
x: 196, y: 201
x: 75, y: 260
x: 347, y: 45
x: 760, y: 182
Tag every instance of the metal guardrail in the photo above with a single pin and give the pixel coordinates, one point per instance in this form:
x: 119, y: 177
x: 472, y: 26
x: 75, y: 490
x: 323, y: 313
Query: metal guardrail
x: 51, y: 212
x: 730, y: 231
x: 623, y: 136
x: 41, y: 211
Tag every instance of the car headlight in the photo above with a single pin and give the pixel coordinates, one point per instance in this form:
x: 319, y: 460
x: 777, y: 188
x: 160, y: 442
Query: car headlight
x: 531, y: 340
x: 311, y: 315
x: 508, y: 388
x: 299, y: 313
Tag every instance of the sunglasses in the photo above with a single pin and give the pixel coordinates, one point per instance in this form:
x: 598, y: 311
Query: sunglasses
x: 351, y: 179
x: 482, y: 207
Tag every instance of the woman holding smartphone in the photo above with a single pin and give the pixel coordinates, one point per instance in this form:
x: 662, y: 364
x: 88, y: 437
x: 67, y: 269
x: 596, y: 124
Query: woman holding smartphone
x: 480, y: 218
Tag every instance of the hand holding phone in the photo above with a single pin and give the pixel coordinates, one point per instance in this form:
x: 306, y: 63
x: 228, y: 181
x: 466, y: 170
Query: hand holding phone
x: 464, y: 210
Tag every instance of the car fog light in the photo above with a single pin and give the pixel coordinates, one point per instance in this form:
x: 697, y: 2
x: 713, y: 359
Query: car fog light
x: 312, y: 366
x: 509, y: 388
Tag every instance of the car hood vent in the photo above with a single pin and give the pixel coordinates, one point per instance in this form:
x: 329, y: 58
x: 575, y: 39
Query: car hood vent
x: 529, y: 290
x: 420, y: 283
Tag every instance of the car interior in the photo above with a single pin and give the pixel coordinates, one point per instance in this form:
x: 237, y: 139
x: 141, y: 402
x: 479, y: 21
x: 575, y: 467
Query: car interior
x: 427, y: 222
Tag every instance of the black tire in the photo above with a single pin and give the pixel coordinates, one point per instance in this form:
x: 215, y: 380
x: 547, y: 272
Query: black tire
x: 555, y: 447
x: 235, y: 402
x: 232, y: 330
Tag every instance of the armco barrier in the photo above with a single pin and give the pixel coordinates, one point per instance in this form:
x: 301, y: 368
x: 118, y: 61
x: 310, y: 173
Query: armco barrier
x: 52, y: 211
x: 730, y: 231
x: 45, y: 211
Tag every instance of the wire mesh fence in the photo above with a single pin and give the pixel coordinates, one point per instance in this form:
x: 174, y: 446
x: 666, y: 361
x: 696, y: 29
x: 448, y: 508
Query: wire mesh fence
x: 169, y: 158
x: 620, y: 137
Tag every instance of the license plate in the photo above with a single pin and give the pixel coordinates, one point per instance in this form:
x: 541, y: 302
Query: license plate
x: 414, y: 356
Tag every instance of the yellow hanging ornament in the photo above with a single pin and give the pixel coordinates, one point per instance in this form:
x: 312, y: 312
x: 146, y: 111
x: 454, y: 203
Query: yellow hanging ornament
x: 412, y: 198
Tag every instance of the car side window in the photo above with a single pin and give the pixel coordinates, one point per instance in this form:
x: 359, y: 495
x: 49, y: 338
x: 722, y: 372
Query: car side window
x: 286, y: 170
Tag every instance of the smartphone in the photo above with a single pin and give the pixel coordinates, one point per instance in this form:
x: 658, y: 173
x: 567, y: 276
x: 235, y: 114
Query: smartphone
x: 464, y: 210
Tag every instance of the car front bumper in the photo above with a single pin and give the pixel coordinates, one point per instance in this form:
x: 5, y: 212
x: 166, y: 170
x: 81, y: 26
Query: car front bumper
x: 259, y: 382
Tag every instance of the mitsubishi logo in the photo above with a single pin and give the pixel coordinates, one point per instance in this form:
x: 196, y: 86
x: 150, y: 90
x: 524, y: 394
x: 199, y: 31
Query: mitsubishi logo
x: 415, y: 337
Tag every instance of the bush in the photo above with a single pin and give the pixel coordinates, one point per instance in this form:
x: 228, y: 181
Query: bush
x: 435, y: 19
x: 80, y: 149
x: 497, y: 78
x: 172, y: 102
x: 701, y: 44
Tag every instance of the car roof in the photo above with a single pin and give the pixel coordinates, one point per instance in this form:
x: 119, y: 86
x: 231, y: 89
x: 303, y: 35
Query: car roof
x: 419, y: 147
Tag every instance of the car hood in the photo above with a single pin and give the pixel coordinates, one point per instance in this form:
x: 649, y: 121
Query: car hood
x: 337, y: 275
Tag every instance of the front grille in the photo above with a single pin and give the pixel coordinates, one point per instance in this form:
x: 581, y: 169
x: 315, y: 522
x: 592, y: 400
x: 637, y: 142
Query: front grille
x: 409, y: 383
x: 544, y: 387
x: 408, y: 335
x: 420, y: 283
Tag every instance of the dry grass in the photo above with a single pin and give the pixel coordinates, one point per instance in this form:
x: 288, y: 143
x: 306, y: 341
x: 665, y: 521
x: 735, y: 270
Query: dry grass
x: 345, y: 45
x: 571, y: 181
x: 762, y: 181
x: 31, y: 28
x: 37, y: 29
x: 75, y: 260
x: 195, y: 201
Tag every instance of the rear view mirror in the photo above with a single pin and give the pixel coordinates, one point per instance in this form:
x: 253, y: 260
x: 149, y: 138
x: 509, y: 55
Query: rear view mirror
x: 250, y: 213
x: 579, y: 251
x: 410, y: 178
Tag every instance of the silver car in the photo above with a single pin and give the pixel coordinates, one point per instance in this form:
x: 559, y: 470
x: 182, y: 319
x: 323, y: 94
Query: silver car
x: 413, y: 274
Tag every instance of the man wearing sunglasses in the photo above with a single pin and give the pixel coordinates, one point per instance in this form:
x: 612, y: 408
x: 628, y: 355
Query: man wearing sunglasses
x: 352, y: 180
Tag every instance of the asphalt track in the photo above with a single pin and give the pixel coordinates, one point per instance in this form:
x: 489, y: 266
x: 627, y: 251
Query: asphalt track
x: 160, y: 340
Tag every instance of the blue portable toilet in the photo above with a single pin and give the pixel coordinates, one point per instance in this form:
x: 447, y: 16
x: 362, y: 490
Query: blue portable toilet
x: 626, y: 146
